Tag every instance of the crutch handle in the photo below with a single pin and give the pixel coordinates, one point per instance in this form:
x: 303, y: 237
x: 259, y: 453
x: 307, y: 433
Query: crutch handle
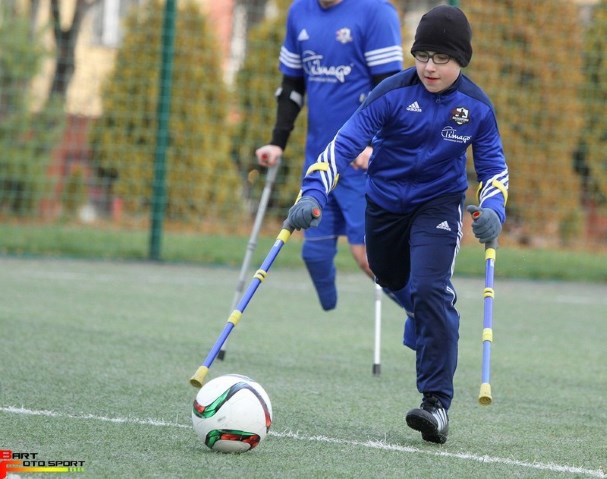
x: 491, y: 244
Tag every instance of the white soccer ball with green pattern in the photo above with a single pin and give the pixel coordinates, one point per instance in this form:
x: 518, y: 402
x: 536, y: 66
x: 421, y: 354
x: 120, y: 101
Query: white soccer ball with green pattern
x: 232, y: 413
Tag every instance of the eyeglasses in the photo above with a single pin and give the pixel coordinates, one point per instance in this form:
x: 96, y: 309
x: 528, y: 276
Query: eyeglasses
x: 437, y: 58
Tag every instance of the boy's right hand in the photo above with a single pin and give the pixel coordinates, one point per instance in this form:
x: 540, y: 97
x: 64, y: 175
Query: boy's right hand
x: 305, y: 213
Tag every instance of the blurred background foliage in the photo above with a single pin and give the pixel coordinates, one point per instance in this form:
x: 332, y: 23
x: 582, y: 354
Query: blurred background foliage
x: 83, y: 152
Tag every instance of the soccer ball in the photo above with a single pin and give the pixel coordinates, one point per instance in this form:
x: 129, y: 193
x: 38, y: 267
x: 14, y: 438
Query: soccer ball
x: 232, y: 413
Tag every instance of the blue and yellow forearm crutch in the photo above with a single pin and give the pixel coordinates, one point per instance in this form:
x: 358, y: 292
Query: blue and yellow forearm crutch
x: 197, y: 380
x: 488, y: 294
x: 484, y: 396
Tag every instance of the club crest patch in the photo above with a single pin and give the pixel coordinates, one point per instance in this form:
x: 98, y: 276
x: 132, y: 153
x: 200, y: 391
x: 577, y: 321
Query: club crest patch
x: 343, y: 35
x: 460, y: 115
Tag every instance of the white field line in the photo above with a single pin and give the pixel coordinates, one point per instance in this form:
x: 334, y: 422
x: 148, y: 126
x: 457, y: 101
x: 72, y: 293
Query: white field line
x: 292, y: 435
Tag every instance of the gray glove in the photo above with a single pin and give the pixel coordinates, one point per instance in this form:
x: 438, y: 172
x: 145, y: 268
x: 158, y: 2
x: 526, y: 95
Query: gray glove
x: 305, y: 213
x: 486, y: 224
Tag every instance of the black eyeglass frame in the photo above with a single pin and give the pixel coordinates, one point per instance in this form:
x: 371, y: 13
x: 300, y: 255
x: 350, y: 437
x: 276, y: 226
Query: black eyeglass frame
x: 443, y: 58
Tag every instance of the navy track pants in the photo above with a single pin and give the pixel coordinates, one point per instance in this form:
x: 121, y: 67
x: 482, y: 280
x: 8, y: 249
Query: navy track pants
x: 419, y: 249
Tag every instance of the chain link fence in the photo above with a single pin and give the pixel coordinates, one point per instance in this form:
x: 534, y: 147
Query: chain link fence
x: 144, y: 115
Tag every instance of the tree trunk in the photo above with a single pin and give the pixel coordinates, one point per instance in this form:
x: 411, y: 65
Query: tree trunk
x: 65, y: 41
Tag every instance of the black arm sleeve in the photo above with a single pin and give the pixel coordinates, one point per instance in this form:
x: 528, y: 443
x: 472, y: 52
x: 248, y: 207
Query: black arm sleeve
x: 289, y: 97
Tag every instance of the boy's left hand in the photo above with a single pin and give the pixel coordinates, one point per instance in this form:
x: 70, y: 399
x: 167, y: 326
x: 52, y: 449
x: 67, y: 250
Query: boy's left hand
x: 486, y: 225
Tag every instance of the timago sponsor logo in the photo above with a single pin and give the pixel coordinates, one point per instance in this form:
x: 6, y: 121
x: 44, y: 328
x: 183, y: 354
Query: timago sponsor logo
x: 313, y: 66
x: 450, y: 134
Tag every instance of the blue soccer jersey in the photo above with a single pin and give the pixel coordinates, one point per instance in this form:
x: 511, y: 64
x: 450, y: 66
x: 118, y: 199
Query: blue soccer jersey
x: 337, y: 51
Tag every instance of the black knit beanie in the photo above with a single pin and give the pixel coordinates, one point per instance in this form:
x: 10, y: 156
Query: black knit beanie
x: 445, y: 29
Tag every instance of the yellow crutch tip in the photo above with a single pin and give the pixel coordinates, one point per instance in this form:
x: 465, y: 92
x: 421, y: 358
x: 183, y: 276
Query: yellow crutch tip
x: 484, y: 398
x: 198, y: 379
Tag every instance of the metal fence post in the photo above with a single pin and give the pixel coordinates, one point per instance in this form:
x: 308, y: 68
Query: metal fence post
x: 162, y: 136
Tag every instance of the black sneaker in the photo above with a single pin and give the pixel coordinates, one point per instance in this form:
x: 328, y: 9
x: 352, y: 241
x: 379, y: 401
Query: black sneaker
x: 430, y: 419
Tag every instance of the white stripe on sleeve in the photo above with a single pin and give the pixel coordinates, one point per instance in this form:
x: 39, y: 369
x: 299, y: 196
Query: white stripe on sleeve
x: 384, y: 55
x: 290, y: 60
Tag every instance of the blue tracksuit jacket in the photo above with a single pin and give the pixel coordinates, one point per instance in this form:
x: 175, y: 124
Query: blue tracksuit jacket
x: 420, y: 141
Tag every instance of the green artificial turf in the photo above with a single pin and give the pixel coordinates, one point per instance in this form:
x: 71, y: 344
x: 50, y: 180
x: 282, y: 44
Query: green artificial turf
x: 96, y: 358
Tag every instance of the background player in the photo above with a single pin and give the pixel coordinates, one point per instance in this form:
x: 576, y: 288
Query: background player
x: 334, y: 52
